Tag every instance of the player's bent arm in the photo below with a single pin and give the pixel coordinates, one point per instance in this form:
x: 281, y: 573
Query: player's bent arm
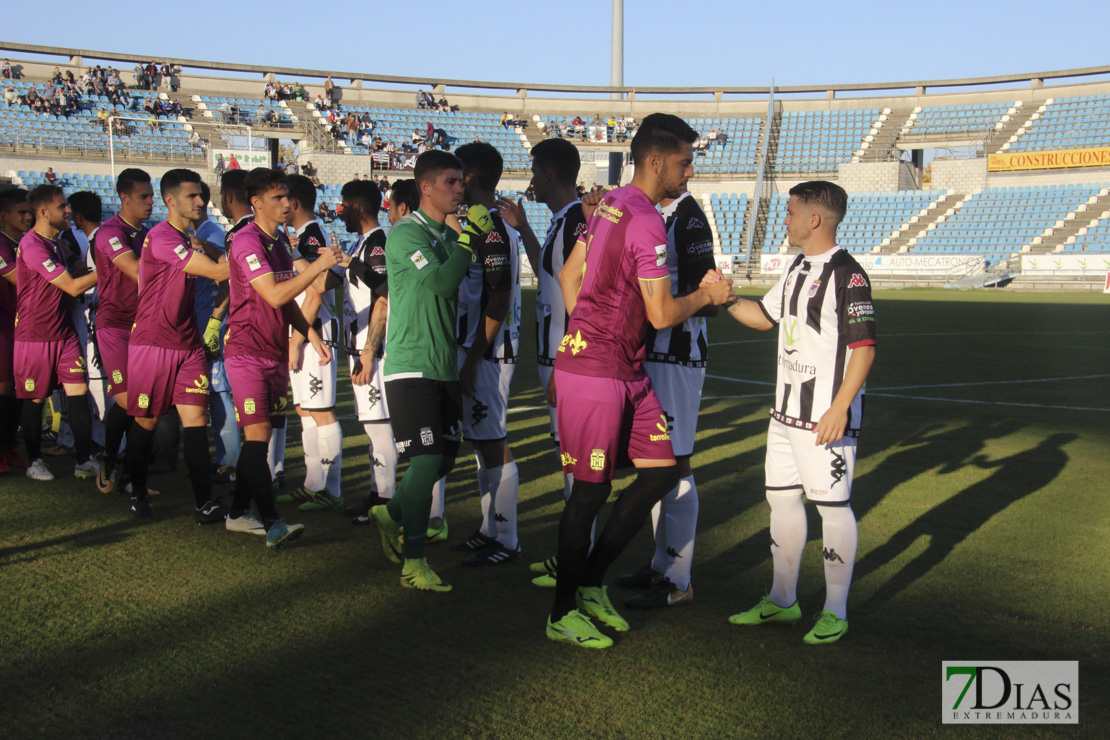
x: 514, y: 215
x: 11, y: 278
x: 74, y: 286
x: 278, y: 294
x: 570, y: 277
x: 223, y: 301
x: 200, y: 264
x: 831, y: 426
x: 709, y: 311
x: 751, y: 314
x: 127, y: 263
x: 376, y: 335
x: 664, y: 310
x: 443, y: 280
x: 494, y: 316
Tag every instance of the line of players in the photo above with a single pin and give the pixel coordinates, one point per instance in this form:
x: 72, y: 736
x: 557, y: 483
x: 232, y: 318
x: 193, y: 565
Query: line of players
x: 269, y: 317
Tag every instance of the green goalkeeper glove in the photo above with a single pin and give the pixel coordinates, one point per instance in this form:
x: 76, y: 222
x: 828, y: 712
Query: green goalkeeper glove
x: 212, y: 338
x: 479, y: 223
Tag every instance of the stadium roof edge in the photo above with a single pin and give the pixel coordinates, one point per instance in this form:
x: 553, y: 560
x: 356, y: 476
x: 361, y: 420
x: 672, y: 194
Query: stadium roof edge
x: 479, y: 84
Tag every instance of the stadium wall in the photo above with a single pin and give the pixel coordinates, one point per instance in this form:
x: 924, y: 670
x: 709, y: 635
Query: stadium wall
x: 77, y: 166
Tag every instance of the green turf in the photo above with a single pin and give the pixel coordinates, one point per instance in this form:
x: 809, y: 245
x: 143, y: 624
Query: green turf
x: 983, y: 536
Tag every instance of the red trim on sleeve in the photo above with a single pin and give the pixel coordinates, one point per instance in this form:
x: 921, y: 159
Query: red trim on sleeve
x: 864, y: 343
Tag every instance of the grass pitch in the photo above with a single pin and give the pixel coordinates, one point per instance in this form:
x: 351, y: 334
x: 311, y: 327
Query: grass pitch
x: 980, y: 491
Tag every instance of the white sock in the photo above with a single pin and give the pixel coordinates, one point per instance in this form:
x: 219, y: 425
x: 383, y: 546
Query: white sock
x: 485, y: 499
x: 438, y: 491
x: 310, y: 436
x: 331, y: 457
x: 276, y: 453
x: 674, y: 535
x: 504, y: 483
x: 383, y: 458
x: 788, y: 540
x: 841, y: 536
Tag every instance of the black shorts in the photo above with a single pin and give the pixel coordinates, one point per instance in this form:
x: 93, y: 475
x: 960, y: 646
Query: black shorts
x: 426, y: 416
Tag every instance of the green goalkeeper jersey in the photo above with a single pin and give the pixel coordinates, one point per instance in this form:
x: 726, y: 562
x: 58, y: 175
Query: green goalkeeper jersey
x: 424, y: 269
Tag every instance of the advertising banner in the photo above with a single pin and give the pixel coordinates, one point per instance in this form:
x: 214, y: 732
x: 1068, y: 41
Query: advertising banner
x: 941, y: 265
x: 1065, y: 264
x: 1009, y: 162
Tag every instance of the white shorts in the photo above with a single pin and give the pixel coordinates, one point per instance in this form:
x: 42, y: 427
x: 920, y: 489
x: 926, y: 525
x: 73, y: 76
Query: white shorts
x: 370, y: 404
x: 824, y: 474
x: 545, y: 378
x: 97, y: 382
x: 679, y: 391
x: 486, y: 413
x: 314, y: 384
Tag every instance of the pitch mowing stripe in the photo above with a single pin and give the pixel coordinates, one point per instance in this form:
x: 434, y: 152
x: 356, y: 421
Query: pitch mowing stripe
x: 884, y: 335
x: 991, y: 403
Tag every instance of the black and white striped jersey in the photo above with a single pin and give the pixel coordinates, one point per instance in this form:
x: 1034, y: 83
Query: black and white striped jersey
x: 689, y: 257
x: 823, y: 309
x: 497, y: 269
x: 366, y: 284
x: 567, y: 226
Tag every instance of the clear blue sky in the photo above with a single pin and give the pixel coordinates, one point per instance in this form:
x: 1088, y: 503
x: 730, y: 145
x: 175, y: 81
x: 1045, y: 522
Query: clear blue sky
x: 728, y: 43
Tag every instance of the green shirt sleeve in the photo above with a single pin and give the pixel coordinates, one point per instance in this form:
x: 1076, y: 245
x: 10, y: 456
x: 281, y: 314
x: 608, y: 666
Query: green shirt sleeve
x: 407, y: 249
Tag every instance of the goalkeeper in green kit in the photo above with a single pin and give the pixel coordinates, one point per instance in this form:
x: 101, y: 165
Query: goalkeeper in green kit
x: 424, y: 267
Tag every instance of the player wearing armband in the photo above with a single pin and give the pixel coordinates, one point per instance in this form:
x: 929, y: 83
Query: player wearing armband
x: 821, y: 307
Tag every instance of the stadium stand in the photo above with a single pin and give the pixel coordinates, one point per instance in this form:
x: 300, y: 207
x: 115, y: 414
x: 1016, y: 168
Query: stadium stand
x: 1067, y: 123
x: 959, y: 120
x: 728, y: 212
x: 817, y: 141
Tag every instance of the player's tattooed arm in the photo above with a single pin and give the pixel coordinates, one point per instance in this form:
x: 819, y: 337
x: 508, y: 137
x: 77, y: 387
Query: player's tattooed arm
x: 750, y: 314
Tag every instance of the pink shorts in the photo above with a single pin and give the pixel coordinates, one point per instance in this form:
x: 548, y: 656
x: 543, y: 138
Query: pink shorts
x: 259, y: 388
x: 40, y: 367
x: 112, y: 345
x: 7, y: 357
x: 163, y: 378
x: 605, y: 424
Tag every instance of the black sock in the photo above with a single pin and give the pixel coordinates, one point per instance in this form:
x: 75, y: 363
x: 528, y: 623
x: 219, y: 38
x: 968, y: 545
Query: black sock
x: 586, y: 500
x: 8, y: 415
x: 116, y: 424
x: 80, y: 421
x: 199, y: 463
x: 139, y: 441
x: 629, y: 515
x: 253, y: 474
x: 31, y: 419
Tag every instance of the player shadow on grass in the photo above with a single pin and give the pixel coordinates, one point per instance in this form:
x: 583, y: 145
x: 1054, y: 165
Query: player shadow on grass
x: 109, y: 534
x: 962, y: 514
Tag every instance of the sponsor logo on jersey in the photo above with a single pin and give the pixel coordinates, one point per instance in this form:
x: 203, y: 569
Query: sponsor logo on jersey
x: 663, y: 428
x: 402, y: 446
x: 861, y: 308
x: 695, y: 223
x: 609, y: 213
x: 49, y: 264
x: 495, y: 261
x: 597, y: 460
x: 181, y: 251
x: 200, y: 385
x: 253, y: 262
x: 249, y: 407
x: 814, y: 287
x: 280, y: 405
x: 454, y: 434
x: 419, y: 260
x: 797, y: 367
x: 568, y: 460
x: 426, y: 437
x: 576, y: 343
x: 116, y: 243
x: 857, y: 281
x: 144, y: 401
x: 789, y: 338
x: 660, y: 255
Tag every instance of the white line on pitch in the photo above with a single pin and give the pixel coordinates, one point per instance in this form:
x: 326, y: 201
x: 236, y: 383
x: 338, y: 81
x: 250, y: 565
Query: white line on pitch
x: 990, y: 403
x: 989, y: 382
x: 929, y: 334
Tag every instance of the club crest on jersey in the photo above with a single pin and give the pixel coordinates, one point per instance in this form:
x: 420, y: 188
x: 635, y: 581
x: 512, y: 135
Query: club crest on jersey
x: 419, y: 260
x: 814, y: 288
x: 144, y: 401
x: 660, y: 255
x: 181, y: 251
x: 116, y: 243
x: 29, y: 385
x: 426, y: 436
x: 253, y: 262
x: 857, y: 281
x: 695, y: 223
x: 117, y: 377
x: 249, y: 407
x: 597, y: 460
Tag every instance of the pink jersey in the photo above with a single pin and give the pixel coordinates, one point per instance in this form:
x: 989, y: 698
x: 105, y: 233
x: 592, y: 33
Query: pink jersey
x: 625, y: 242
x: 8, y: 249
x: 254, y: 327
x: 43, y: 313
x: 118, y: 297
x: 166, y: 317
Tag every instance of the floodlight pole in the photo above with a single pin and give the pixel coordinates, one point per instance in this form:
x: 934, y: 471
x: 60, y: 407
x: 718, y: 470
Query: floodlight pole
x: 616, y: 60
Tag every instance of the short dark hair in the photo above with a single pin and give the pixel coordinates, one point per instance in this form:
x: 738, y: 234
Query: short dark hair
x: 129, y: 178
x: 559, y: 156
x: 233, y: 182
x: 483, y: 160
x: 365, y: 193
x: 174, y: 179
x: 301, y: 188
x: 432, y: 162
x: 405, y: 191
x: 205, y: 192
x: 262, y: 180
x: 9, y: 197
x: 87, y: 205
x: 663, y: 133
x: 828, y: 195
x: 43, y: 195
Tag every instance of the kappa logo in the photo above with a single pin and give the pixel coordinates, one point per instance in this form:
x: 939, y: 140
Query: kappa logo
x: 568, y: 460
x: 831, y: 555
x: 673, y: 553
x: 597, y: 460
x: 857, y: 281
x: 478, y: 412
x: 426, y: 437
x: 499, y: 518
x: 117, y: 377
x: 695, y: 223
x: 773, y: 543
x: 144, y: 401
x: 580, y: 230
x: 838, y: 467
x: 315, y: 385
x: 494, y: 237
x: 377, y: 252
x: 249, y: 407
x: 374, y: 394
x: 378, y: 461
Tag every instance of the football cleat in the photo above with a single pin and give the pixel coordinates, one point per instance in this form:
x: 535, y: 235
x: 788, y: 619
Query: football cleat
x: 324, y: 501
x: 419, y: 575
x: 37, y: 470
x: 248, y: 523
x: 577, y: 629
x: 12, y: 458
x: 594, y: 601
x: 140, y: 508
x: 437, y: 530
x: 660, y: 594
x: 643, y: 578
x: 106, y: 480
x: 475, y: 541
x: 281, y: 534
x: 300, y: 496
x: 494, y: 554
x: 88, y: 469
x: 211, y: 513
x: 829, y: 629
x: 548, y: 567
x: 224, y: 474
x: 765, y: 612
x: 544, y: 581
x: 388, y: 529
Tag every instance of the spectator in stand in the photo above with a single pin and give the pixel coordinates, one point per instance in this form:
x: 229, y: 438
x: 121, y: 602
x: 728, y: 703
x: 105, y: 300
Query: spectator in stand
x: 429, y: 132
x: 421, y: 102
x: 444, y: 106
x: 505, y: 119
x: 113, y: 77
x: 6, y: 70
x: 329, y: 89
x: 11, y: 97
x: 316, y: 181
x: 50, y: 176
x: 57, y: 76
x: 309, y: 169
x: 260, y: 112
x: 140, y: 77
x: 416, y: 137
x: 233, y: 164
x: 167, y: 76
x: 221, y: 165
